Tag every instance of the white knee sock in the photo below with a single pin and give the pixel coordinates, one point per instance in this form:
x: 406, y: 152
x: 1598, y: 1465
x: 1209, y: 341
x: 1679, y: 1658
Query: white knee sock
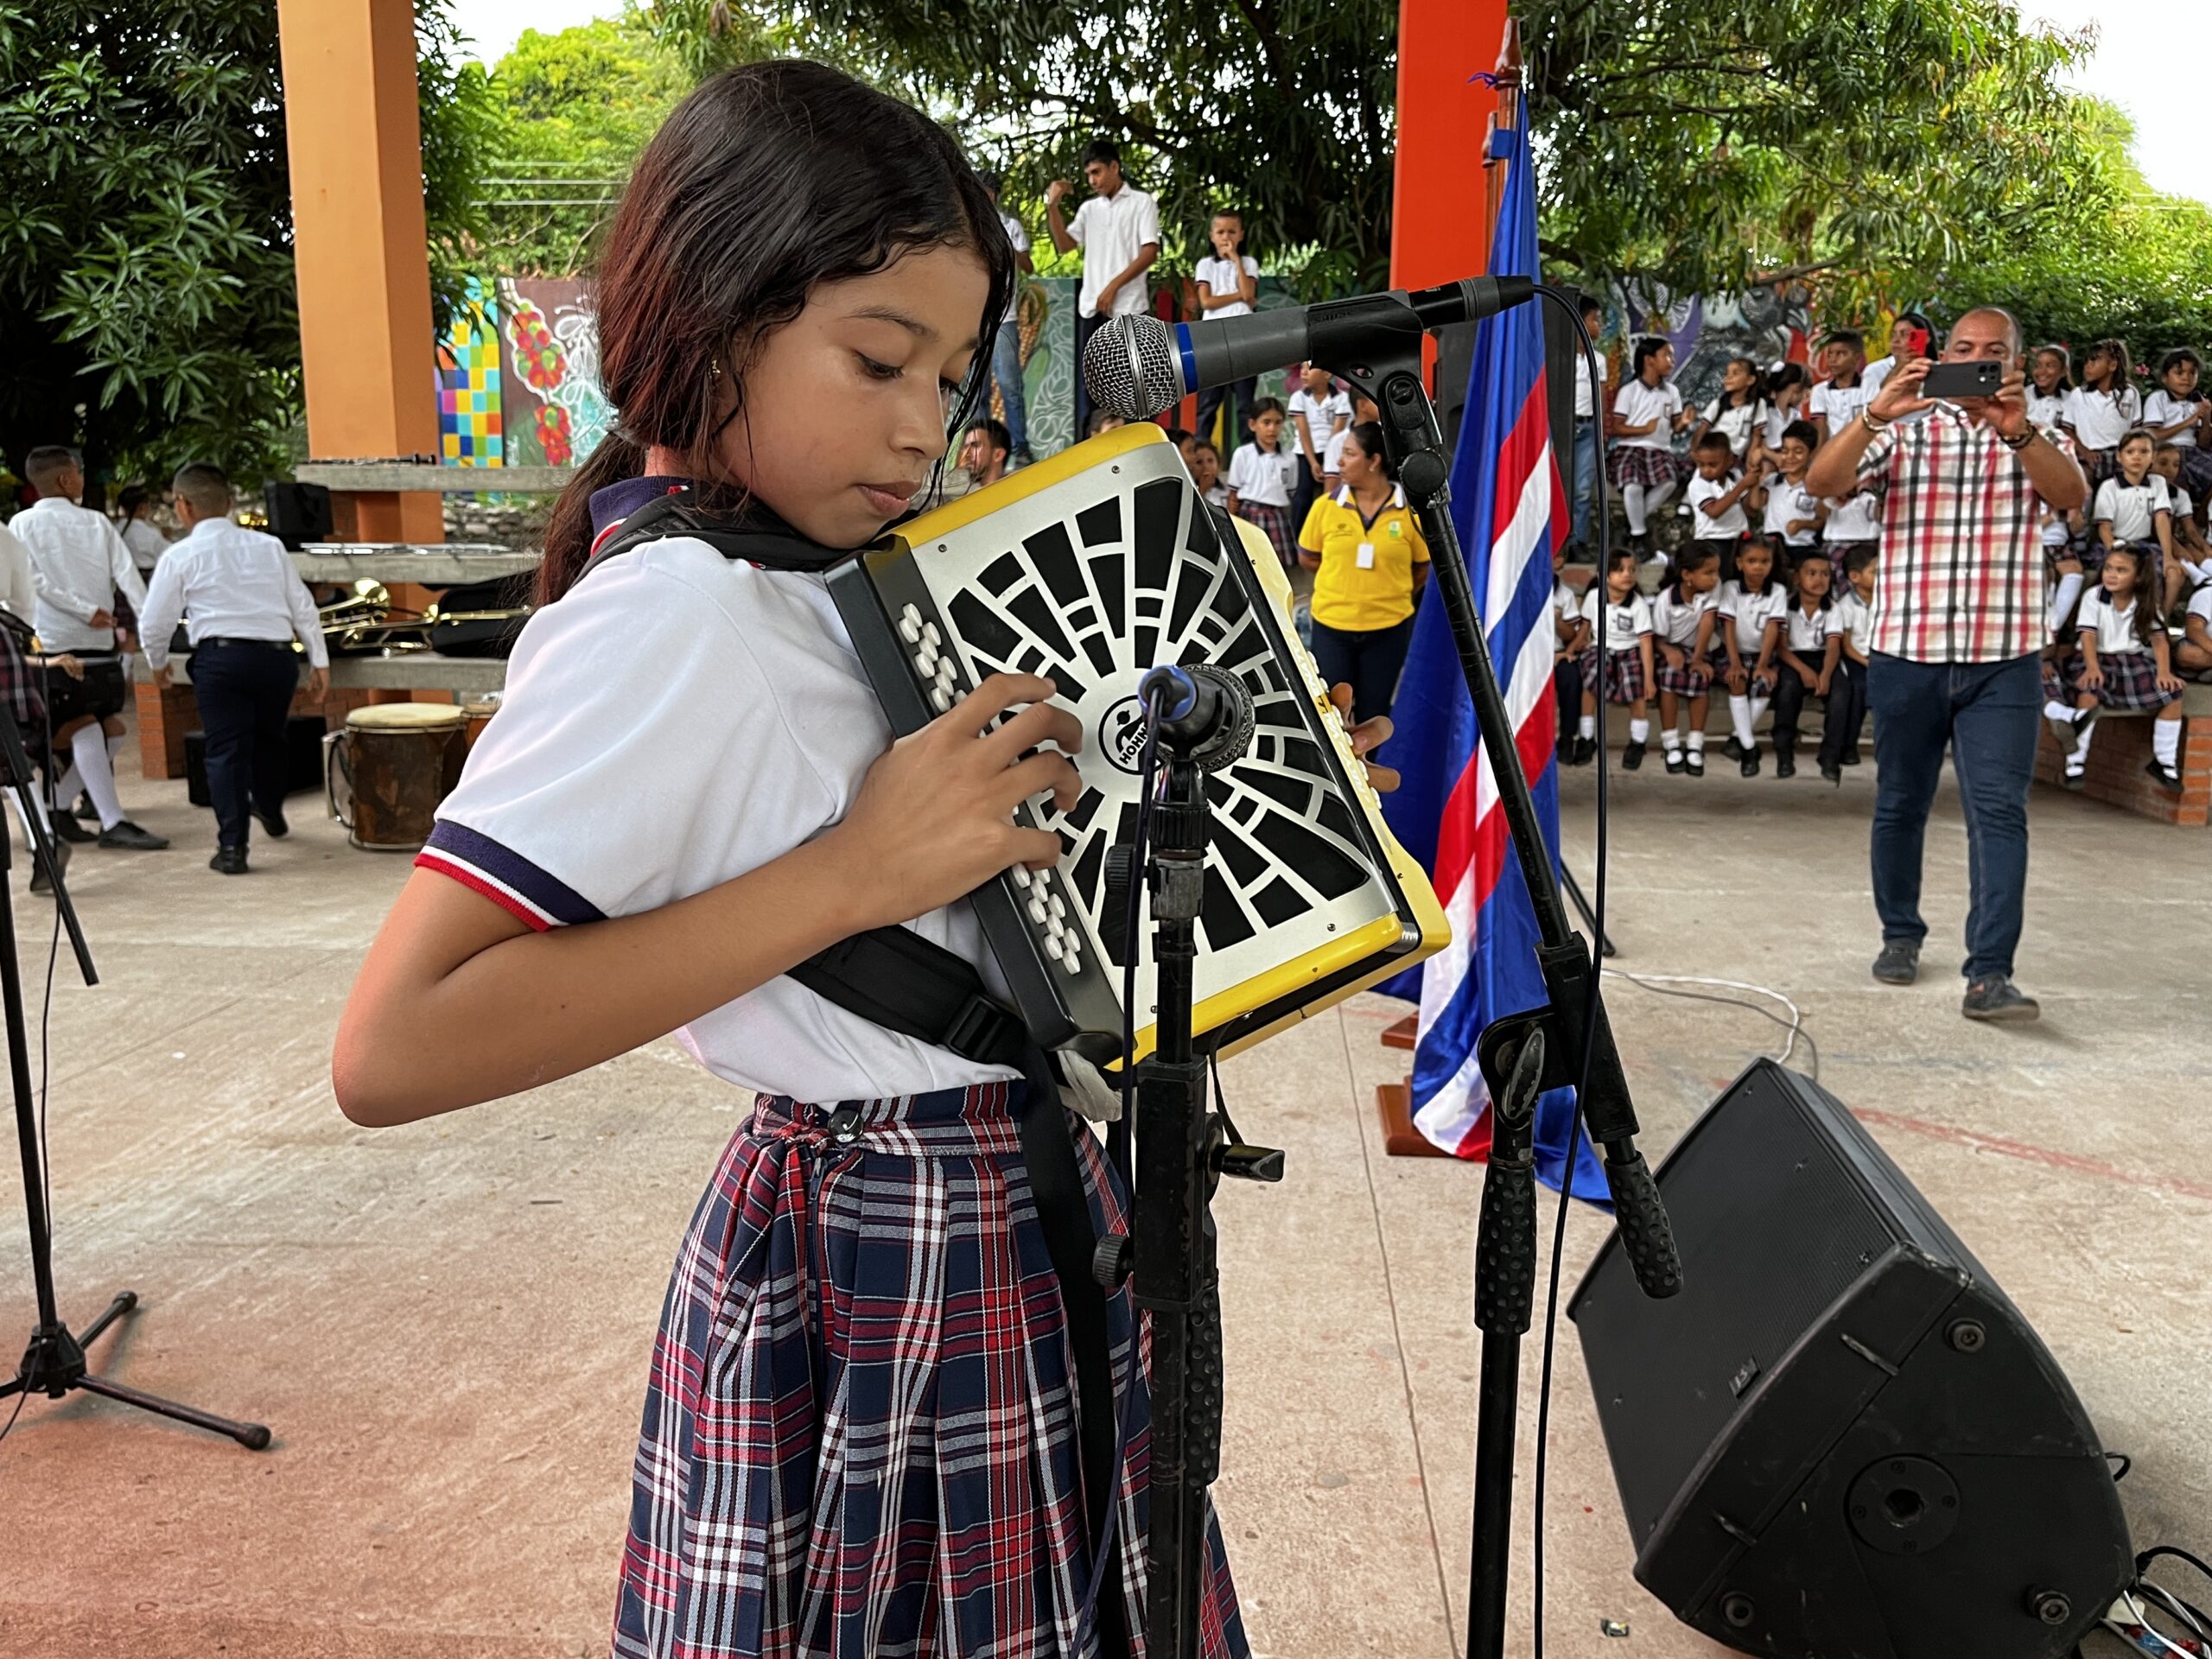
x: 2081, y: 745
x: 44, y: 822
x: 1587, y: 725
x: 2062, y: 603
x: 1739, y: 717
x: 1670, y: 739
x: 1639, y: 731
x: 2054, y: 710
x: 1632, y: 504
x: 1759, y: 708
x: 1656, y: 496
x: 1697, y: 739
x: 90, y: 746
x: 63, y: 790
x: 2165, y: 740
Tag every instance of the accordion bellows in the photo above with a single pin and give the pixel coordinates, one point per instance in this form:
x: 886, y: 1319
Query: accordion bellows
x: 1091, y: 568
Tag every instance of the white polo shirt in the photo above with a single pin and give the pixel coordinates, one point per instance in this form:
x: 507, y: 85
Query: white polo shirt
x: 2131, y: 509
x: 1736, y: 422
x: 2114, y: 626
x: 1786, y: 501
x: 1724, y: 526
x: 2200, y: 602
x: 146, y: 544
x: 1111, y: 231
x: 2045, y: 409
x: 1265, y: 478
x: 1854, y: 618
x: 2101, y: 419
x: 1853, y: 518
x: 1750, y: 612
x: 1585, y: 395
x: 1675, y: 619
x: 1841, y: 404
x: 1015, y: 234
x: 1624, y: 624
x: 229, y: 582
x: 1217, y: 276
x: 1320, y: 415
x: 18, y: 588
x: 1804, y: 632
x: 679, y: 719
x: 77, y: 562
x: 1636, y: 402
x: 2162, y: 407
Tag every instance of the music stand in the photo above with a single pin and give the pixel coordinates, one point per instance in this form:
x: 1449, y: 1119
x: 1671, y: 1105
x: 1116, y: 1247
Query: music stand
x: 54, y: 1363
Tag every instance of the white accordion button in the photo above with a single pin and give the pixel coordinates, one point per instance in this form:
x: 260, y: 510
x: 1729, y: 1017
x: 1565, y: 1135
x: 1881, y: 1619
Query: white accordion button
x: 931, y: 636
x: 910, y: 624
x: 1020, y: 874
x: 1072, y: 960
x: 926, y: 661
x: 1037, y: 913
x: 940, y: 699
x: 1054, y: 949
x: 1059, y: 907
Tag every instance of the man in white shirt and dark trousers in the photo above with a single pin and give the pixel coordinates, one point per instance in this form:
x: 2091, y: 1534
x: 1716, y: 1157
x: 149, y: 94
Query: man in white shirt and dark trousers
x: 78, y: 563
x: 1118, y: 230
x: 1006, y: 349
x: 245, y: 605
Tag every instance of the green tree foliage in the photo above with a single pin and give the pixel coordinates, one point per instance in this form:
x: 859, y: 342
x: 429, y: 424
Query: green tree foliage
x: 1883, y: 143
x: 575, y: 108
x: 147, y: 298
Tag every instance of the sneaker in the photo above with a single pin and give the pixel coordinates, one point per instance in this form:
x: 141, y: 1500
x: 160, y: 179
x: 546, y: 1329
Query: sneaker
x: 1785, y: 764
x: 1631, y: 757
x: 1695, y: 763
x: 1899, y: 962
x: 1675, y: 764
x: 1996, y: 997
x: 125, y: 834
x: 66, y: 827
x: 1751, y: 766
x: 228, y: 861
x: 2165, y: 777
x: 2077, y: 775
x: 40, y: 882
x: 273, y: 824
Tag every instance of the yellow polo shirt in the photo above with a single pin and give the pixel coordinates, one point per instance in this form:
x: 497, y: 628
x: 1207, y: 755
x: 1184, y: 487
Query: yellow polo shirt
x: 1355, y: 592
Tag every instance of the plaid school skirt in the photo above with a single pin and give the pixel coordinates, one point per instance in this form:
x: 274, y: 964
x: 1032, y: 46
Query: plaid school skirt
x: 2131, y: 681
x: 1692, y: 679
x: 1760, y: 685
x: 1274, y: 522
x: 1639, y: 463
x: 1624, y: 677
x: 860, y: 1428
x: 2196, y: 472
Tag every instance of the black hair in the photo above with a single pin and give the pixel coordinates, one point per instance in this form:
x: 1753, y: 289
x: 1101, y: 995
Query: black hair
x: 2128, y: 437
x: 2176, y: 358
x: 1647, y: 348
x: 2123, y: 366
x: 2065, y: 363
x: 42, y: 465
x: 1198, y: 444
x: 1859, y: 558
x: 992, y: 178
x: 1618, y: 556
x: 1773, y: 565
x: 1920, y: 322
x: 205, y: 485
x: 1102, y: 150
x: 1754, y: 394
x: 1368, y: 435
x: 2143, y: 592
x: 1805, y: 432
x: 1179, y: 437
x: 1784, y: 375
x: 1591, y: 303
x: 1264, y: 406
x: 994, y: 432
x: 134, y: 496
x: 766, y: 182
x: 1715, y: 442
x: 1693, y: 555
x: 1805, y: 557
x: 1098, y: 420
x: 1844, y: 337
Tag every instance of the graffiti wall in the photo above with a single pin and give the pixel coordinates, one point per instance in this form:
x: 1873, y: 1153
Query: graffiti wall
x: 470, y: 418
x: 1768, y: 325
x: 549, y: 337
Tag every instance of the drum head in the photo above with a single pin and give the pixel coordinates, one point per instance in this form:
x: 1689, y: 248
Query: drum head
x: 407, y: 717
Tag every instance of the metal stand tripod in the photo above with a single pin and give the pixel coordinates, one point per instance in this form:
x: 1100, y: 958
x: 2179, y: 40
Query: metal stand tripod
x: 53, y: 1364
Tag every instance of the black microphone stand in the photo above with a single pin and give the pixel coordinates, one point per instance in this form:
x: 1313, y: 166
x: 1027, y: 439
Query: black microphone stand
x: 55, y: 1364
x: 1376, y: 343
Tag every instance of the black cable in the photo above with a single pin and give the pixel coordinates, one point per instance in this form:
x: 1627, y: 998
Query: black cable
x: 1602, y: 506
x: 2119, y: 1474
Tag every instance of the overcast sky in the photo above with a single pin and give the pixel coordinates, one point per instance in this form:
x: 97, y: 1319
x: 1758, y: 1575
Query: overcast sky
x: 2149, y: 52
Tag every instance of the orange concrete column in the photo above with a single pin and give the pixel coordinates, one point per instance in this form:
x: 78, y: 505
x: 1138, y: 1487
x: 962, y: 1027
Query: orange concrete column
x: 1440, y: 215
x: 361, y: 248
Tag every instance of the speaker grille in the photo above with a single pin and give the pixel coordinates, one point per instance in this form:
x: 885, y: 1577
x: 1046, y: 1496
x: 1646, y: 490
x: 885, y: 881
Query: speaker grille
x: 1755, y: 1174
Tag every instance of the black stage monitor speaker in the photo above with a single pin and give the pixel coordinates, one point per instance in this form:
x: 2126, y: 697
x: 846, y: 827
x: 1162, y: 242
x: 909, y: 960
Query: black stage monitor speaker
x: 1841, y: 1441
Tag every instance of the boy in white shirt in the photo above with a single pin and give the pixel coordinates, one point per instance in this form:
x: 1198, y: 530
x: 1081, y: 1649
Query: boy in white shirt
x: 1715, y: 498
x: 1852, y: 618
x: 1118, y: 230
x: 1317, y: 412
x: 1835, y: 402
x: 1228, y: 281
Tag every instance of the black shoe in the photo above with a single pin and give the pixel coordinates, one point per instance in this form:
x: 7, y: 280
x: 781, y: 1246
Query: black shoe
x: 125, y: 834
x: 1021, y: 457
x: 1899, y: 962
x: 40, y: 881
x: 86, y: 810
x: 2163, y: 776
x: 2077, y: 778
x: 1735, y: 746
x: 1585, y: 751
x: 1851, y: 756
x: 1693, y: 762
x: 1998, y: 998
x: 1674, y: 762
x: 1785, y: 764
x: 1631, y: 757
x: 228, y: 861
x: 1750, y: 767
x: 1832, y: 773
x: 64, y: 825
x: 273, y: 824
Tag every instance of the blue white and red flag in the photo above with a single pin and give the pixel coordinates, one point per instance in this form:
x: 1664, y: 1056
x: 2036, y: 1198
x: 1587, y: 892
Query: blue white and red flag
x: 1508, y: 505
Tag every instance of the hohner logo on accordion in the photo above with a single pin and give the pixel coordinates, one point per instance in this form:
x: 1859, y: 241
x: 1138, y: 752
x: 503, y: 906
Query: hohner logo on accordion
x: 1091, y: 568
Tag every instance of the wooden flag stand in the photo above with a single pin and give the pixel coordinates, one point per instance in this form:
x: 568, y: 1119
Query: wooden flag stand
x: 1394, y: 1102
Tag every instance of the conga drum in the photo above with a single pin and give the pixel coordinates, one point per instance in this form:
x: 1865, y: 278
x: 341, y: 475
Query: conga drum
x: 391, y: 766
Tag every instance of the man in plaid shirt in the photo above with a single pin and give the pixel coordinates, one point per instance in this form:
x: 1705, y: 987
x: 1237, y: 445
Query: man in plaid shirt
x: 1958, y: 624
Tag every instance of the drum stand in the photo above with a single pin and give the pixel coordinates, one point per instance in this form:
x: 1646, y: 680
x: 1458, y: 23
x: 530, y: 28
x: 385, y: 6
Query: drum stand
x: 1376, y: 343
x: 55, y: 1364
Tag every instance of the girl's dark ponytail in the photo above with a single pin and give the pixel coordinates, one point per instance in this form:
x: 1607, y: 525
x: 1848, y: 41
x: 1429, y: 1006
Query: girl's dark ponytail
x: 569, y: 535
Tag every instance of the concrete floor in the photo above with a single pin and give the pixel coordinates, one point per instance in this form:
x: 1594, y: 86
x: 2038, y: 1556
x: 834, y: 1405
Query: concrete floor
x: 448, y: 1325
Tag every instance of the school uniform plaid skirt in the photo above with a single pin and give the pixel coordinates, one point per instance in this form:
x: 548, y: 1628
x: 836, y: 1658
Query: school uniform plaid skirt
x: 1275, y: 524
x: 1623, y: 674
x: 1760, y: 685
x: 1639, y: 463
x: 1690, y: 680
x: 860, y: 1429
x: 2131, y: 680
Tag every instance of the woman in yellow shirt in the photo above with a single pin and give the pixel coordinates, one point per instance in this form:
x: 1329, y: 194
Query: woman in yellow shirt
x: 1368, y: 549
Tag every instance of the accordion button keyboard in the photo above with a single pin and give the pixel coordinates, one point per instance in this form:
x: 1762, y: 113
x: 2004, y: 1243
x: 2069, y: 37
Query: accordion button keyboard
x: 1054, y: 949
x: 1059, y: 907
x: 925, y: 660
x: 1020, y: 874
x: 1037, y: 913
x: 1072, y: 959
x: 940, y: 699
x: 910, y: 624
x: 931, y: 636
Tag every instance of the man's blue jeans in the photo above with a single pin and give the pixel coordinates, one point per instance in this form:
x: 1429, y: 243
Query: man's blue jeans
x: 1988, y: 716
x: 1586, y: 475
x: 1006, y: 369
